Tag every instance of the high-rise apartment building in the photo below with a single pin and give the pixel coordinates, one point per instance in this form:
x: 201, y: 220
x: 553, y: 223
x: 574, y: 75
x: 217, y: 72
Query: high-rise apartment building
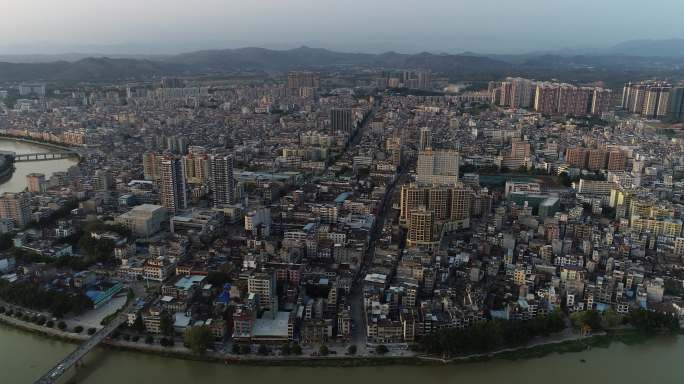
x: 448, y: 203
x: 151, y: 165
x: 341, y: 120
x: 506, y: 94
x: 576, y: 157
x: 425, y: 140
x: 566, y: 99
x: 546, y: 98
x: 596, y: 159
x: 172, y: 186
x: 420, y: 79
x: 573, y: 101
x: 15, y: 207
x: 617, y: 160
x: 601, y: 101
x: 222, y: 180
x: 263, y: 284
x: 421, y: 228
x: 196, y: 168
x: 676, y: 110
x: 437, y: 167
x: 648, y: 98
x: 303, y: 79
x: 35, y: 182
x: 518, y: 156
x: 521, y: 92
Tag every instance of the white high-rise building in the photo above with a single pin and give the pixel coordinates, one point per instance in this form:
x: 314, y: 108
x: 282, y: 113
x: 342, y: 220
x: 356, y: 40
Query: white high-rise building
x: 425, y: 139
x: 222, y: 180
x: 172, y: 185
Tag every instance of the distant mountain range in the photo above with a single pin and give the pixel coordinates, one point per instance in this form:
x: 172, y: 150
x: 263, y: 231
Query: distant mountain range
x: 634, y: 56
x: 258, y: 59
x: 649, y: 48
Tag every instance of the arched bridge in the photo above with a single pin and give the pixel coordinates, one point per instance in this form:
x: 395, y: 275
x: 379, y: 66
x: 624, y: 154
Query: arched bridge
x: 44, y: 156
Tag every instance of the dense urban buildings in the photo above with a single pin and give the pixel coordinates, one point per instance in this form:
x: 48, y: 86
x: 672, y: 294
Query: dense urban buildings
x: 317, y: 211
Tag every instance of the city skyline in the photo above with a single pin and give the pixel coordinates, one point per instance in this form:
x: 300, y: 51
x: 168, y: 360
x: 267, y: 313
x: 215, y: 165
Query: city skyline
x: 320, y: 184
x: 174, y: 27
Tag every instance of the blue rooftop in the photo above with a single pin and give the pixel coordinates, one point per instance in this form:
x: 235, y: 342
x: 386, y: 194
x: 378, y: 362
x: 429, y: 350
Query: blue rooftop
x: 187, y: 282
x: 342, y: 197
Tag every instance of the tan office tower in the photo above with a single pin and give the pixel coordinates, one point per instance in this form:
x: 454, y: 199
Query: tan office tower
x: 151, y: 162
x: 35, y: 182
x: 15, y: 207
x: 172, y: 186
x: 421, y: 223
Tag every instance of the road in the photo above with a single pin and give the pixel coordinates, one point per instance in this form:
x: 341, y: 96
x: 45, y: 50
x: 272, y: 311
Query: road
x: 359, y: 336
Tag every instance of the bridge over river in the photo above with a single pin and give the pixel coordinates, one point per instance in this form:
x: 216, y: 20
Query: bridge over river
x: 53, y: 375
x: 43, y: 156
x: 74, y: 357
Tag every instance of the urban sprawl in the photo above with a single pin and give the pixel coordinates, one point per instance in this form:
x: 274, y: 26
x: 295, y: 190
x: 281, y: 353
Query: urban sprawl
x: 372, y: 213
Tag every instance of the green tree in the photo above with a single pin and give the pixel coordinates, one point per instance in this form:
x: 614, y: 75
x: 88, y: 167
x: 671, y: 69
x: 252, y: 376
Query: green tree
x: 263, y: 350
x: 217, y: 278
x: 381, y: 349
x: 323, y: 350
x: 351, y: 350
x: 296, y: 350
x: 236, y: 349
x: 198, y: 339
x: 6, y: 241
x: 138, y: 324
x: 285, y: 350
x: 166, y: 324
x: 610, y: 319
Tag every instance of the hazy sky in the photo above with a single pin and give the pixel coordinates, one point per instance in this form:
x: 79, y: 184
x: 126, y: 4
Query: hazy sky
x: 505, y: 26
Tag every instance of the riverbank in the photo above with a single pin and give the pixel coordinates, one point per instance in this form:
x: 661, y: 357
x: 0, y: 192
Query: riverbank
x: 568, y: 344
x: 45, y: 144
x: 16, y: 180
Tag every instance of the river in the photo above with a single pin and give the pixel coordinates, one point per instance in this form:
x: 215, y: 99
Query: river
x: 17, y: 182
x: 25, y: 356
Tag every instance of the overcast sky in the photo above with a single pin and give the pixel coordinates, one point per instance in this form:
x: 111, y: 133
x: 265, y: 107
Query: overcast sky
x: 488, y: 26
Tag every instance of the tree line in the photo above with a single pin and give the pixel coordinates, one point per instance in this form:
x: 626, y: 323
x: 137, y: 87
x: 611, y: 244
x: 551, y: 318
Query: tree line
x: 490, y: 335
x: 29, y: 295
